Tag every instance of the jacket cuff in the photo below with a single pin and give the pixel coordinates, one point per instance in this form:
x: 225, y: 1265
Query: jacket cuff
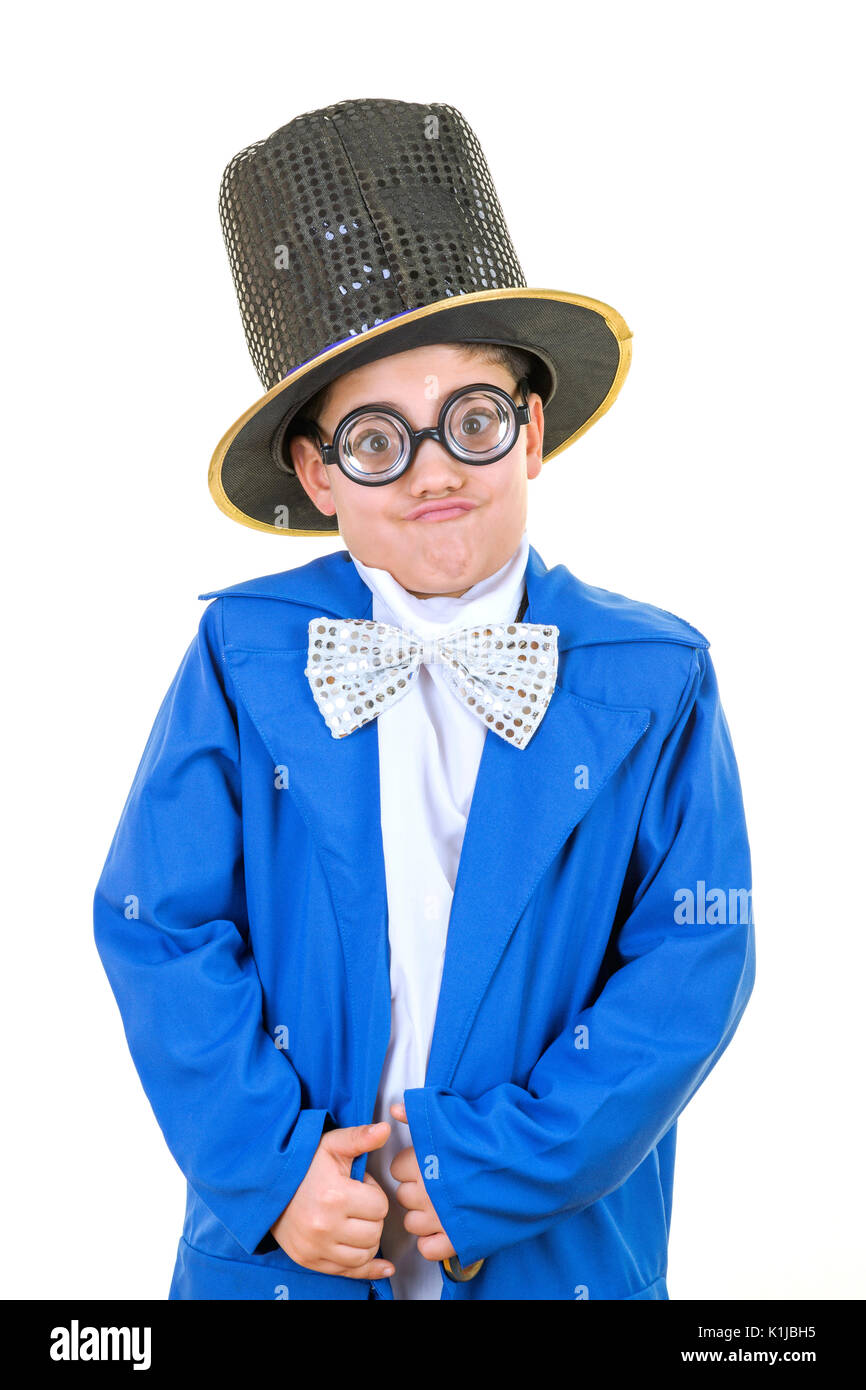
x: 253, y: 1232
x: 430, y: 1161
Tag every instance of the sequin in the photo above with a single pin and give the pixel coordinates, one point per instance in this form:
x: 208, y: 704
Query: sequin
x: 357, y: 669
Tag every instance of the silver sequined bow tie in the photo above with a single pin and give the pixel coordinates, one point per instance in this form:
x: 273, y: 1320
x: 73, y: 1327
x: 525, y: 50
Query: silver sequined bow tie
x: 503, y: 672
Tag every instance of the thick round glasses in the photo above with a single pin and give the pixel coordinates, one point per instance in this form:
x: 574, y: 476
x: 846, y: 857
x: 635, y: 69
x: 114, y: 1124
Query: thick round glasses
x: 374, y: 444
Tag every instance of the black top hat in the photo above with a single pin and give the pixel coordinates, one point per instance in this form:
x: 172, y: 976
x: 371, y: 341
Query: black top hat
x: 364, y: 229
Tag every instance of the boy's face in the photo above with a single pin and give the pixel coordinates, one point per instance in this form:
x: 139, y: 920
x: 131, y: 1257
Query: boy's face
x: 434, y: 554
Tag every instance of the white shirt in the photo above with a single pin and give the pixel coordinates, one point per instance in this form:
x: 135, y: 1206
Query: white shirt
x: 430, y: 748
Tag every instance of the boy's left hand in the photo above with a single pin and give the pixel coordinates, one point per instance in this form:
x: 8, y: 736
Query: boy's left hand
x: 420, y: 1219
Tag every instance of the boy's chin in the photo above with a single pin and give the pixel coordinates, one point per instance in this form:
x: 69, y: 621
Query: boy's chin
x: 452, y: 573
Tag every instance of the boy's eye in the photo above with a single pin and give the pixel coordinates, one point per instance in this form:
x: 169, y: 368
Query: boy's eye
x: 374, y: 441
x: 475, y: 423
x: 373, y: 445
x: 478, y: 423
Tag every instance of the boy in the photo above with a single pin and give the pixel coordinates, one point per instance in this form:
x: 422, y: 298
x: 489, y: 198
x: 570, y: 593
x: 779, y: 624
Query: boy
x: 417, y: 1011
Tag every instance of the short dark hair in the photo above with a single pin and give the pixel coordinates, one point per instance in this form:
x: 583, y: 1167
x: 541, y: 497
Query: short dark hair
x: 518, y: 362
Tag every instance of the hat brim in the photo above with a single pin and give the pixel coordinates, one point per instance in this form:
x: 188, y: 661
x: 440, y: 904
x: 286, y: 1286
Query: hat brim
x: 585, y: 344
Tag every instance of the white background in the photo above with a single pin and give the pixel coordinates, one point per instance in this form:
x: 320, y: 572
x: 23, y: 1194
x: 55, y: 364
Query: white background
x: 698, y: 168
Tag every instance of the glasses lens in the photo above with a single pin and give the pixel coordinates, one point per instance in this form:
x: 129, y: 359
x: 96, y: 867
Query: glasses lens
x: 374, y: 446
x: 480, y: 426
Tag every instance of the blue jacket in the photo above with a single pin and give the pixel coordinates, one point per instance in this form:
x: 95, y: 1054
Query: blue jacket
x: 599, y: 955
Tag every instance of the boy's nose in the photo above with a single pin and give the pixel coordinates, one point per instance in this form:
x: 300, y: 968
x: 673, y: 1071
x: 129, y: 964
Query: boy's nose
x: 431, y: 458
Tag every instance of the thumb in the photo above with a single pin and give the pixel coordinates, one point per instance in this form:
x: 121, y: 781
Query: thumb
x: 356, y: 1139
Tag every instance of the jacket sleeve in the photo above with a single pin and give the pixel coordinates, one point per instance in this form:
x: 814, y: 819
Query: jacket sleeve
x: 515, y: 1159
x: 171, y: 930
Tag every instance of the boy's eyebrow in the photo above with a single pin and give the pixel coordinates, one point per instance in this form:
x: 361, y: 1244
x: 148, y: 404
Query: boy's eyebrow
x: 368, y: 405
x: 394, y: 405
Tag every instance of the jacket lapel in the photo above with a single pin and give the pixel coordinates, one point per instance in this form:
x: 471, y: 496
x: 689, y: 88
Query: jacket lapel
x: 525, y: 805
x: 512, y: 832
x: 335, y: 786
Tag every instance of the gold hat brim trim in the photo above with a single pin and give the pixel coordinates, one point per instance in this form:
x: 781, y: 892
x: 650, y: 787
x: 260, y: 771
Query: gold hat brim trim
x: 614, y: 321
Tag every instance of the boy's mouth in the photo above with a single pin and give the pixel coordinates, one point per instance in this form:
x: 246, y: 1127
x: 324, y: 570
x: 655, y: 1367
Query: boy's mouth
x: 440, y: 511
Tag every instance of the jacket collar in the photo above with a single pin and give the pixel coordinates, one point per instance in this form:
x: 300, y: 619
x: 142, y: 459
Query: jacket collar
x: 512, y: 831
x: 585, y: 615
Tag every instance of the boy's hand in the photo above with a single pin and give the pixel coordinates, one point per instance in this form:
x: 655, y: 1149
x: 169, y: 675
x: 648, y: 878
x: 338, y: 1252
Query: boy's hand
x: 333, y: 1224
x: 420, y: 1219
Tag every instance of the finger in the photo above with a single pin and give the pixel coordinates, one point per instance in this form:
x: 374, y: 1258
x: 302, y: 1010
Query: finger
x: 436, y: 1247
x: 357, y: 1265
x: 398, y: 1110
x: 374, y: 1269
x: 421, y: 1223
x: 404, y: 1166
x: 356, y: 1139
x: 365, y: 1200
x: 359, y: 1235
x: 371, y: 1182
x: 412, y: 1196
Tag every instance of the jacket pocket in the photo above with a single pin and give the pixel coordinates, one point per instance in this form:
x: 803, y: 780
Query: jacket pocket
x: 198, y: 1275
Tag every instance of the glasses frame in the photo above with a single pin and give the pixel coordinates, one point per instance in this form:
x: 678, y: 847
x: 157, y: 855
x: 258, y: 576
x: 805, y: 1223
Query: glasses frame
x: 331, y: 452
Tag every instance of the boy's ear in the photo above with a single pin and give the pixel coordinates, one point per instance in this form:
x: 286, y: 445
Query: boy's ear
x: 535, y: 435
x: 291, y: 453
x: 311, y: 472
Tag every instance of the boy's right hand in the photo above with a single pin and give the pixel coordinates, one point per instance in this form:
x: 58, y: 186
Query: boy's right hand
x: 333, y: 1224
